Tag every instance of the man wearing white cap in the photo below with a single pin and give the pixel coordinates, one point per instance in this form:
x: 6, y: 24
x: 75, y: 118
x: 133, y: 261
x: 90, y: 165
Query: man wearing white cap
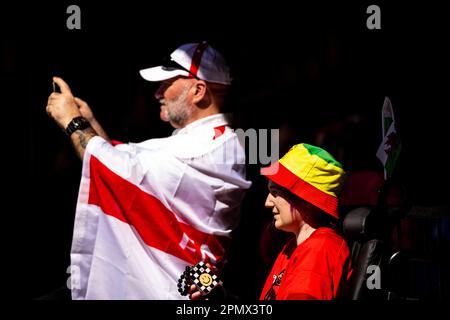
x: 146, y: 210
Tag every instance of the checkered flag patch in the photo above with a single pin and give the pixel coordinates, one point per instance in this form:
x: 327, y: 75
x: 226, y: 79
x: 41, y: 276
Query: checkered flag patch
x: 200, y: 275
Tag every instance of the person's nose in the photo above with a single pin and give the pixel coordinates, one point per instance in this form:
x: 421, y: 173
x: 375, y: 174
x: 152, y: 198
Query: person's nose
x: 159, y: 94
x: 269, y: 201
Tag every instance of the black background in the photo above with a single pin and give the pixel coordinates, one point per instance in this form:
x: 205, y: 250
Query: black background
x: 295, y: 66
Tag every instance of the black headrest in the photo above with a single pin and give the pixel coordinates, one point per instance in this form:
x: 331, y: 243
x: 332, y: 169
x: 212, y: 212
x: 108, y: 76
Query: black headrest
x: 361, y: 224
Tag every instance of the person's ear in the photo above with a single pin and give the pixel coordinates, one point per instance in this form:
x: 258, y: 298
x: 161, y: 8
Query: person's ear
x: 199, y: 91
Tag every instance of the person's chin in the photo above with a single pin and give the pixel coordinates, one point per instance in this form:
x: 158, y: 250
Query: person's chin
x: 277, y: 223
x: 163, y: 115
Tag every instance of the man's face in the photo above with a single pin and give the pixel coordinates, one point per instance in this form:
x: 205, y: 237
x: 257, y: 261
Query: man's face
x: 173, y: 96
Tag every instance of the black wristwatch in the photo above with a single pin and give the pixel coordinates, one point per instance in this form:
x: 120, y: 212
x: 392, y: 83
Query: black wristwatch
x: 77, y: 123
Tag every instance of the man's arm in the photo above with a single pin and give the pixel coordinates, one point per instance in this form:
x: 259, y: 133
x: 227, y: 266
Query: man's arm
x: 80, y: 139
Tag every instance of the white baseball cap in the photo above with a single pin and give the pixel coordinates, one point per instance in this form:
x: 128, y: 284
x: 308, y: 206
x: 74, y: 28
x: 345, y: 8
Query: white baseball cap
x: 198, y: 60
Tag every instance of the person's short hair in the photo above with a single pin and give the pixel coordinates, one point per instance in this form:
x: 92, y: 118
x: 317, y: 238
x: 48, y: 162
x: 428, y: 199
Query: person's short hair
x: 312, y: 214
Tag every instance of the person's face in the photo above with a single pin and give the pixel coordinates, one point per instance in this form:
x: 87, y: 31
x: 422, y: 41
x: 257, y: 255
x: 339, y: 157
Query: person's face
x: 285, y: 214
x: 173, y: 96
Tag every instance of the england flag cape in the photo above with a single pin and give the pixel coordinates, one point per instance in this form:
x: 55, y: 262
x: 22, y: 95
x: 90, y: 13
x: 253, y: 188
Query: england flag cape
x: 147, y: 210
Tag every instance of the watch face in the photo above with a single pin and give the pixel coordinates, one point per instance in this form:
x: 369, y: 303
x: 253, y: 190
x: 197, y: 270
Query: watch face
x: 78, y: 123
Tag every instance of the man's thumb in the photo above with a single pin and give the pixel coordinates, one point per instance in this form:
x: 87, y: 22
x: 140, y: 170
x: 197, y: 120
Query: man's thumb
x: 80, y: 103
x: 62, y: 85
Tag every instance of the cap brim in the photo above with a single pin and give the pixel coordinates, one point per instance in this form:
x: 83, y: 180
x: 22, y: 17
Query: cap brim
x: 159, y: 74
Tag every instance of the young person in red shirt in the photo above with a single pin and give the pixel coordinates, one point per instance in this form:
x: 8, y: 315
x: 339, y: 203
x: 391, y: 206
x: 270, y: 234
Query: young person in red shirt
x: 315, y: 263
x: 303, y: 195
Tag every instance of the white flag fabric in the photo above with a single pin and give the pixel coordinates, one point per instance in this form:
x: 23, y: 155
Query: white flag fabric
x: 147, y: 210
x: 389, y: 148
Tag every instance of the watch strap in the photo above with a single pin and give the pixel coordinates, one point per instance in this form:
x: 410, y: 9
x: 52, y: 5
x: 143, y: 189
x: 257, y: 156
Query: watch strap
x: 77, y: 123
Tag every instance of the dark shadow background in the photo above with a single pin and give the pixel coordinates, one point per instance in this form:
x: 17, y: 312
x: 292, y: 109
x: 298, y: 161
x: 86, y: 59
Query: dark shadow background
x: 296, y: 67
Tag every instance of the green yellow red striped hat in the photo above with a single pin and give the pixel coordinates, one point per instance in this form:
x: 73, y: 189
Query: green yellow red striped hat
x: 310, y: 173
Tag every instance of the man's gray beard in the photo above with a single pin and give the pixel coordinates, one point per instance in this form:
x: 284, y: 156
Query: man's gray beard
x: 178, y: 117
x: 179, y: 111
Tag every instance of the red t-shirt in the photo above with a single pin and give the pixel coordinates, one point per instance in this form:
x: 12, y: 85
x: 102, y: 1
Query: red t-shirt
x: 319, y: 268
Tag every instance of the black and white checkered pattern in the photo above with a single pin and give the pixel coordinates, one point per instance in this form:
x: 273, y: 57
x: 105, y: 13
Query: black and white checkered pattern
x: 192, y: 276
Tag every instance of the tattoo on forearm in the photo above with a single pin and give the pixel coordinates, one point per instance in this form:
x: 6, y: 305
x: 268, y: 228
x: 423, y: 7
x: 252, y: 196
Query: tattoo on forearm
x: 81, y: 140
x: 82, y: 136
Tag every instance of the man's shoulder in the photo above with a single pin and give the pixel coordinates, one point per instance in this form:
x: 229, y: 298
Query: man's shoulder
x: 196, y: 145
x: 154, y: 143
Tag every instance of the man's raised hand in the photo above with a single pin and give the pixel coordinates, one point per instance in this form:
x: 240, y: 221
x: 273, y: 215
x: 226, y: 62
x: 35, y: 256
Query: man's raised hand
x: 85, y: 110
x: 62, y: 106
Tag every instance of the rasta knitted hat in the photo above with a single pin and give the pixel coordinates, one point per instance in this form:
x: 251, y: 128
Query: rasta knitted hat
x: 312, y: 174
